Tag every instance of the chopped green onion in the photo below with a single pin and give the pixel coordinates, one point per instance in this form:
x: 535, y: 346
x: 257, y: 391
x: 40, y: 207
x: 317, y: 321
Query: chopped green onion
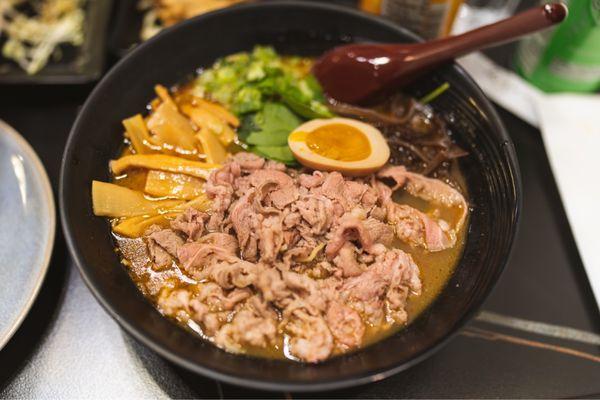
x: 435, y: 93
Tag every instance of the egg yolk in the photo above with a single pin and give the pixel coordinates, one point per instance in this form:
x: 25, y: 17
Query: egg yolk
x: 339, y: 142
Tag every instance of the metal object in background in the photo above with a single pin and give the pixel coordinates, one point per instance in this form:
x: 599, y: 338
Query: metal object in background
x: 476, y: 13
x: 428, y: 18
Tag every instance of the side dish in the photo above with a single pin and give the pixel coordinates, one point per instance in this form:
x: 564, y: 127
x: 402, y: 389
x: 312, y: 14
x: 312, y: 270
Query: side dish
x: 275, y: 222
x: 34, y: 31
x: 159, y: 14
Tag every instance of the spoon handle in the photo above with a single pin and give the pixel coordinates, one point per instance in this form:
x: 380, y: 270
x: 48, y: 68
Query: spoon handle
x: 500, y: 32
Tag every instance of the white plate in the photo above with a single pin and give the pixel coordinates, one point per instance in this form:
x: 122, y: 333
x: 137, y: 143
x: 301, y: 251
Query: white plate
x: 27, y: 226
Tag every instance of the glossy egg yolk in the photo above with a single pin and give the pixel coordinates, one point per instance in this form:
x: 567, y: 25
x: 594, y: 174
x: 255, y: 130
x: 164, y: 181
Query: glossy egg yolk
x: 339, y: 142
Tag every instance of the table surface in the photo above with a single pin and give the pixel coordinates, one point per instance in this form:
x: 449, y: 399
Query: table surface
x: 69, y: 347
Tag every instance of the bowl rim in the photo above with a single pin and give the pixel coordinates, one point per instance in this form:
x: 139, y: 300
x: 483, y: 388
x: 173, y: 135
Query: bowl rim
x: 271, y: 385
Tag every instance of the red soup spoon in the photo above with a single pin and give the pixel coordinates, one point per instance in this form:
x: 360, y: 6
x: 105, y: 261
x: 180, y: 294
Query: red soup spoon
x: 354, y: 73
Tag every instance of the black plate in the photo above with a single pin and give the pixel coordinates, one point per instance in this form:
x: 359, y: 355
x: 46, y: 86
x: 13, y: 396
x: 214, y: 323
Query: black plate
x: 301, y: 28
x: 128, y: 26
x: 77, y: 65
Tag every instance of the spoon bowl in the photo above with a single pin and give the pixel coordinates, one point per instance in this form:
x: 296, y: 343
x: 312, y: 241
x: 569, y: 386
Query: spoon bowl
x: 355, y: 73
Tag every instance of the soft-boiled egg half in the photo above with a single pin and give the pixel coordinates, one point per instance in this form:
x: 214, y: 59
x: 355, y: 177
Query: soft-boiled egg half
x: 339, y: 144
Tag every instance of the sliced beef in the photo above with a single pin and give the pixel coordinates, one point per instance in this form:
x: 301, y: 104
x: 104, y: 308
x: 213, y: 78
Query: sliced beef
x: 172, y: 301
x: 270, y: 164
x: 271, y: 285
x: 346, y: 261
x: 334, y: 188
x: 390, y: 279
x: 257, y: 255
x: 163, y: 244
x: 379, y: 232
x: 230, y: 275
x: 195, y: 256
x: 246, y: 329
x: 354, y: 192
x: 310, y: 338
x: 317, y: 211
x: 428, y: 189
x: 270, y: 238
x: 245, y: 222
x: 285, y: 196
x: 349, y: 229
x: 249, y: 161
x: 419, y: 230
x: 261, y: 176
x: 311, y: 181
x: 345, y: 324
x: 190, y: 223
x: 225, y: 241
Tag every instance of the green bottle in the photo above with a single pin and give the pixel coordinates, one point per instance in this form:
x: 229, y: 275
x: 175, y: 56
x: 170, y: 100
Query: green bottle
x: 567, y: 58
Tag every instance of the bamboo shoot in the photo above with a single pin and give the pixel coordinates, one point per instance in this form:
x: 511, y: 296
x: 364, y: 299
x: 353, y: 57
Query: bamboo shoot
x: 172, y: 131
x: 110, y: 200
x: 217, y: 110
x: 206, y: 120
x: 138, y: 135
x: 161, y: 162
x: 168, y: 184
x: 135, y: 227
x: 214, y: 150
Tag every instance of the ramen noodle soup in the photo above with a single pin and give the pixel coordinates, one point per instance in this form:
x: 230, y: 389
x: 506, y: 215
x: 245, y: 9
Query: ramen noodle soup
x: 275, y: 222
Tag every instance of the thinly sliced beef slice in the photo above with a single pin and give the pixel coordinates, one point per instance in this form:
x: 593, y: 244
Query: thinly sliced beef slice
x: 270, y: 164
x: 172, y: 301
x: 310, y: 337
x: 270, y: 238
x: 163, y: 244
x: 216, y: 299
x: 317, y: 211
x: 190, y: 223
x: 195, y: 256
x: 350, y: 229
x: 225, y: 241
x: 405, y: 280
x: 312, y: 181
x: 249, y: 161
x: 246, y: 222
x: 334, y: 187
x: 271, y: 285
x: 419, y: 230
x: 379, y: 232
x: 346, y: 261
x: 428, y: 189
x: 261, y: 176
x: 306, y: 292
x: 345, y: 324
x: 230, y: 275
x: 219, y: 188
x: 246, y: 329
x: 391, y: 278
x: 284, y: 196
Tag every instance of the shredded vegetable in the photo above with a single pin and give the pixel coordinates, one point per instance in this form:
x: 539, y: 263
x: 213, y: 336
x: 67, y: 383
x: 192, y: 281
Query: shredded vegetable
x: 31, y: 40
x: 272, y: 94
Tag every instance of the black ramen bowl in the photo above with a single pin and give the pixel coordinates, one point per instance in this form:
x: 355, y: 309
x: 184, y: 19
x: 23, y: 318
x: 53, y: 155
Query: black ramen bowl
x: 302, y: 28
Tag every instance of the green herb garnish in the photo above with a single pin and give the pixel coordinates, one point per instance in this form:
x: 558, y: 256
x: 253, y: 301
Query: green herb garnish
x: 271, y: 94
x: 435, y: 93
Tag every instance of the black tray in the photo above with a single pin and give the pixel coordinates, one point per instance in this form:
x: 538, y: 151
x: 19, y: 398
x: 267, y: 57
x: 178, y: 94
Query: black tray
x: 128, y: 25
x: 77, y: 65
